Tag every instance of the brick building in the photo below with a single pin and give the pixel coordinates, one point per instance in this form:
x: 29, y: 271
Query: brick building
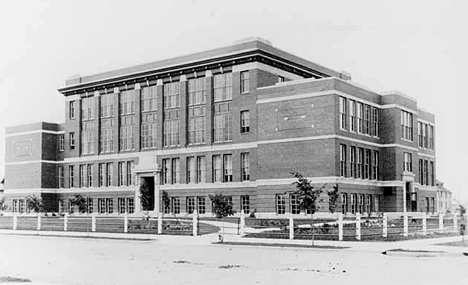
x: 236, y: 120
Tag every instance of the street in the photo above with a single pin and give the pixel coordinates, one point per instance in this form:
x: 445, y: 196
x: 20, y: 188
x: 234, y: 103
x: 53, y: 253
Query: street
x: 68, y: 261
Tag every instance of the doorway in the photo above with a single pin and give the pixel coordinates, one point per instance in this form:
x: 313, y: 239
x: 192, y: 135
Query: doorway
x: 149, y: 181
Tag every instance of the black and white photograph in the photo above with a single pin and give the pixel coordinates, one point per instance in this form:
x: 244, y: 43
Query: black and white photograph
x: 233, y: 142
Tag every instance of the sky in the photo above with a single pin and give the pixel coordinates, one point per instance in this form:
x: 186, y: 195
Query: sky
x: 419, y: 48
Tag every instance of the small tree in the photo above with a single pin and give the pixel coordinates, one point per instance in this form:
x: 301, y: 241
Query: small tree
x: 166, y: 201
x: 332, y: 198
x: 222, y: 207
x: 3, y: 206
x: 80, y: 202
x: 145, y: 200
x: 462, y: 210
x: 34, y: 203
x: 307, y: 196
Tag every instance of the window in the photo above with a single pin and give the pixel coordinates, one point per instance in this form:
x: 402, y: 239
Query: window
x: 406, y: 125
x: 280, y: 79
x: 106, y: 135
x: 217, y: 168
x: 222, y: 122
x: 222, y: 88
x: 127, y: 132
x: 121, y: 171
x: 197, y: 91
x: 353, y: 165
x: 376, y: 203
x: 15, y: 206
x: 375, y: 165
x: 72, y: 108
x: 190, y: 205
x: 342, y: 113
x: 280, y: 204
x: 197, y: 125
x: 201, y: 205
x: 426, y: 172
x: 102, y: 175
x: 109, y: 174
x: 87, y: 137
x: 175, y: 202
x: 245, y: 204
x: 90, y: 205
x: 61, y: 142
x: 148, y: 99
x: 149, y: 129
x: 87, y: 109
x: 107, y: 105
x: 432, y: 205
x: 407, y: 162
x: 361, y: 203
x: 61, y: 176
x: 352, y: 115
x: 171, y: 95
x: 432, y: 173
x: 201, y: 169
x: 89, y: 171
x: 21, y: 206
x: 375, y: 122
x: 353, y: 203
x: 343, y: 160
x: 360, y: 163
x: 129, y: 172
x: 166, y: 171
x: 101, y: 206
x: 175, y: 170
x: 344, y: 203
x: 171, y: 128
x: 71, y: 176
x: 131, y: 205
x: 71, y: 139
x: 109, y: 206
x: 420, y: 134
x: 227, y: 165
x: 127, y: 102
x: 245, y: 166
x: 421, y: 172
x: 245, y: 121
x: 244, y: 81
x: 425, y: 134
x: 367, y: 155
x: 295, y: 205
x: 122, y: 205
x: 431, y: 137
x: 367, y: 120
x: 368, y: 204
x: 82, y: 176
x: 191, y: 173
x: 360, y: 116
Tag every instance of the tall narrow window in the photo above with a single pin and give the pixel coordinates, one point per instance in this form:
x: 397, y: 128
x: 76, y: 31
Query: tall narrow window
x: 61, y: 142
x: 352, y: 115
x: 217, y: 168
x: 375, y: 165
x: 109, y: 174
x: 245, y: 204
x: 107, y: 135
x: 222, y: 88
x: 353, y: 203
x: 227, y: 168
x: 131, y: 205
x: 87, y: 137
x: 353, y: 165
x: 367, y: 115
x: 127, y: 120
x: 360, y: 163
x: 368, y: 204
x: 201, y: 205
x: 244, y: 83
x: 431, y: 137
x: 426, y: 171
x: 367, y: 155
x: 121, y: 173
x: 432, y: 173
x: 197, y: 125
x: 102, y: 175
x: 71, y: 140
x: 421, y: 171
x: 407, y: 162
x: 191, y: 174
x: 222, y: 122
x: 280, y: 204
x: 343, y: 160
x: 122, y: 205
x: 344, y: 203
x: 245, y: 166
x: 171, y: 127
x: 375, y: 122
x: 71, y: 176
x: 175, y: 203
x: 245, y: 121
x: 197, y: 91
x: 376, y: 203
x: 129, y: 172
x: 425, y: 135
x: 148, y: 99
x: 420, y: 134
x: 166, y: 171
x: 171, y: 95
x: 294, y: 201
x: 407, y: 125
x: 360, y: 116
x: 90, y: 173
x: 201, y: 169
x: 175, y: 170
x: 109, y: 206
x: 72, y: 108
x: 107, y: 105
x: 342, y: 113
x: 149, y: 129
x: 61, y: 177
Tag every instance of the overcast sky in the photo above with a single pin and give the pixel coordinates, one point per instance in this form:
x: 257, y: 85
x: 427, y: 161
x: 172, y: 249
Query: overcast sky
x: 419, y: 48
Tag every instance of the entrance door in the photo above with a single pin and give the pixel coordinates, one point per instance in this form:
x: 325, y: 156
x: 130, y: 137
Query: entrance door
x: 148, y: 182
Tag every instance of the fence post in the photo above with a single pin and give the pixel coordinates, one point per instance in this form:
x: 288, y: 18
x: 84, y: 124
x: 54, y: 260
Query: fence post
x: 405, y: 224
x: 384, y: 225
x: 358, y: 226
x: 340, y: 227
x: 65, y: 222
x: 195, y: 223
x: 441, y: 222
x: 126, y: 223
x: 291, y: 228
x: 39, y: 221
x: 93, y: 223
x: 424, y: 224
x: 159, y: 223
x: 455, y: 222
x: 15, y: 221
x: 242, y: 223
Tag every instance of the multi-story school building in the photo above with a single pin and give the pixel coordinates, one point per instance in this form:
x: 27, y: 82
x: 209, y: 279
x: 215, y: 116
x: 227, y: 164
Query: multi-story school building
x: 235, y: 120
